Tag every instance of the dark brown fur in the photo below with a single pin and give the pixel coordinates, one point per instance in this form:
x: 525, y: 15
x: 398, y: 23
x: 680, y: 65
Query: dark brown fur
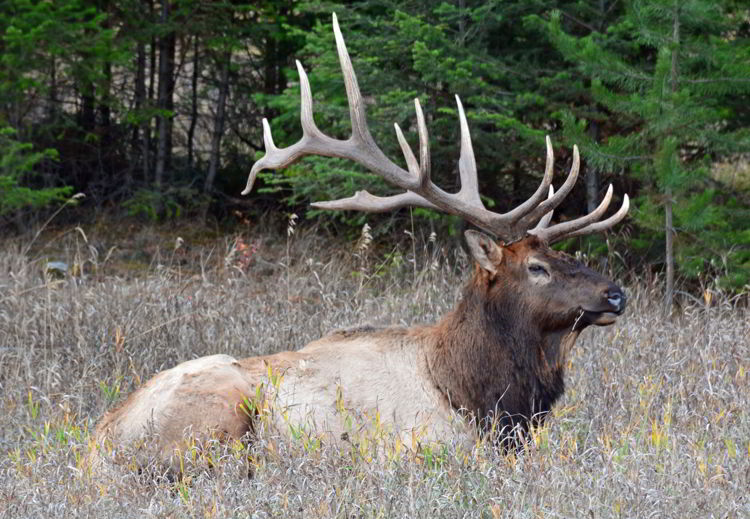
x: 502, y: 351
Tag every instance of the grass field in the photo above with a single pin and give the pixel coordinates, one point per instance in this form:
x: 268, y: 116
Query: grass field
x: 655, y: 421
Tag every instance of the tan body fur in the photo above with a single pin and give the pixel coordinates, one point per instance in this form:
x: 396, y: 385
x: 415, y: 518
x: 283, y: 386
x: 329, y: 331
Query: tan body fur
x: 347, y: 374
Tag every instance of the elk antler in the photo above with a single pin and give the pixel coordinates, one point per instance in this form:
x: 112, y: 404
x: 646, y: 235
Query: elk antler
x: 420, y: 190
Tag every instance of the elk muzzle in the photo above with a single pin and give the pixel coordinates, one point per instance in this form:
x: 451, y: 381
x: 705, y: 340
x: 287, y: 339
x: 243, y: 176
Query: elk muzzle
x: 611, y: 304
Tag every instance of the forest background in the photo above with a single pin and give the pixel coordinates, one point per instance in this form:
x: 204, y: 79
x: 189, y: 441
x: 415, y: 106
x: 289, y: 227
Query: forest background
x: 153, y: 110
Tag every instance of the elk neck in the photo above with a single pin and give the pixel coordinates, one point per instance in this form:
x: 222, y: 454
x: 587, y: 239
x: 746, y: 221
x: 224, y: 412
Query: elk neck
x: 491, y: 354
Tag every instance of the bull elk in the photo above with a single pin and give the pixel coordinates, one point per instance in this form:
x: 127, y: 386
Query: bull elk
x: 500, y: 354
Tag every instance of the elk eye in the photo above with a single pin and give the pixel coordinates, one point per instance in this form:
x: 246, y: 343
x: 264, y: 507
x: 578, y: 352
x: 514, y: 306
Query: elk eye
x: 538, y: 269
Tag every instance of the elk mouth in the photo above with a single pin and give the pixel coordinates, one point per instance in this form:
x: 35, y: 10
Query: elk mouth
x: 614, y: 307
x: 600, y: 318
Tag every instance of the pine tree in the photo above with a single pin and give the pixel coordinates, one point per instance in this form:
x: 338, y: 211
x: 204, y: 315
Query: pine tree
x: 670, y: 74
x: 17, y: 160
x: 45, y: 47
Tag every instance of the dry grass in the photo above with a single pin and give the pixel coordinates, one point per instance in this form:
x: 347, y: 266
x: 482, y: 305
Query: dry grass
x: 655, y: 421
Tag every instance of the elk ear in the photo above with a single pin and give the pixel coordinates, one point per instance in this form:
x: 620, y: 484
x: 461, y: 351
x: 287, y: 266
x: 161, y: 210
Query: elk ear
x: 484, y: 250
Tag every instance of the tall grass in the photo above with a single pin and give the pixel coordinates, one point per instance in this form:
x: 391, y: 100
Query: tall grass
x: 655, y: 420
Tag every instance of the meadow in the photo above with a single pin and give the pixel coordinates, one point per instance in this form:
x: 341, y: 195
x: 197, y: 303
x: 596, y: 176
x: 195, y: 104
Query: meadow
x: 655, y: 421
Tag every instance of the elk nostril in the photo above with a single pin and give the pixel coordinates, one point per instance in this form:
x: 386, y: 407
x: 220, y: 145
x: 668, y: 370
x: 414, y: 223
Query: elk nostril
x: 615, y: 298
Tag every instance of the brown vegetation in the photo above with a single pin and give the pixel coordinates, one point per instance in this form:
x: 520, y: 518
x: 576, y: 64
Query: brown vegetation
x: 654, y: 421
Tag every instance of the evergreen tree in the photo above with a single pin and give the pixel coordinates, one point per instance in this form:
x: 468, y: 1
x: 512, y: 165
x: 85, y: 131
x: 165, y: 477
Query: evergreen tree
x: 47, y: 49
x: 17, y: 160
x: 669, y: 73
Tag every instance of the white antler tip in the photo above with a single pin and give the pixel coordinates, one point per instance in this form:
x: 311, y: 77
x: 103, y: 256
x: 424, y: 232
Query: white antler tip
x: 550, y: 155
x: 304, y: 82
x: 337, y: 30
x: 268, y: 137
x: 462, y: 116
x: 576, y: 162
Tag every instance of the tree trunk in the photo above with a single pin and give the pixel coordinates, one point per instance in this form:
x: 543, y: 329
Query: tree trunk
x: 169, y: 101
x: 514, y: 195
x: 150, y: 100
x: 152, y: 56
x: 140, y: 130
x: 668, y: 226
x: 87, y: 116
x: 271, y: 66
x: 105, y: 111
x: 194, y: 103
x: 218, y: 123
x: 52, y: 103
x: 165, y: 102
x: 592, y: 174
x: 104, y: 95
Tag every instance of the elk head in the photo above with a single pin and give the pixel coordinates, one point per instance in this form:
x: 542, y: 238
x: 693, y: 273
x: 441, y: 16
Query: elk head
x: 550, y: 287
x: 522, y: 258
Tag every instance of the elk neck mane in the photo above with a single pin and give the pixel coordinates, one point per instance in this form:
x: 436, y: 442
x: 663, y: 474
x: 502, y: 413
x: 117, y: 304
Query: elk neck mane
x: 489, y: 356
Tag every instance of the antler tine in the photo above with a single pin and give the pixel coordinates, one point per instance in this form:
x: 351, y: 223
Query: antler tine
x: 544, y: 222
x: 586, y: 224
x: 356, y: 104
x: 307, y: 121
x: 372, y: 156
x: 411, y: 160
x: 559, y: 196
x: 424, y: 144
x: 533, y: 201
x: 364, y: 201
x: 579, y: 223
x: 420, y: 170
x: 467, y: 165
x: 600, y: 226
x: 258, y: 166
